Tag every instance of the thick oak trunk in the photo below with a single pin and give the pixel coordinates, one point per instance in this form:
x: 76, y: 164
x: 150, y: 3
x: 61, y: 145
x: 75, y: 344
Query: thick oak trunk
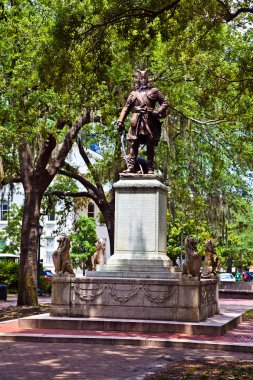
x: 27, y: 294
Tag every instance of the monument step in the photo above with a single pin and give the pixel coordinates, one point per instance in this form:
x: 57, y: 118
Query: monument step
x: 214, y: 326
x: 166, y: 274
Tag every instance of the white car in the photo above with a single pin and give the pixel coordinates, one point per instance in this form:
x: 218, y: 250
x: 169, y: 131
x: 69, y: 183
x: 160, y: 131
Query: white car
x: 226, y: 277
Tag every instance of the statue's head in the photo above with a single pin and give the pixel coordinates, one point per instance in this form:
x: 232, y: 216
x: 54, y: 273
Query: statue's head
x: 191, y: 244
x: 209, y: 246
x: 142, y: 77
x: 63, y: 240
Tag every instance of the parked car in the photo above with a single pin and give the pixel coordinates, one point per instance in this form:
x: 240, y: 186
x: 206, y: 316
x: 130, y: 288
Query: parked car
x: 48, y: 274
x: 227, y: 277
x: 247, y: 276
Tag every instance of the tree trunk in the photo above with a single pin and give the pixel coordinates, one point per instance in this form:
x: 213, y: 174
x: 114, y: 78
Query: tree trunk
x: 36, y: 174
x: 107, y: 210
x: 229, y: 264
x: 110, y: 230
x: 27, y: 290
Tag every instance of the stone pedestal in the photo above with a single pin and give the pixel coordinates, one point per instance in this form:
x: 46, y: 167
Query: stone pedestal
x: 139, y: 281
x: 140, y: 231
x: 186, y: 300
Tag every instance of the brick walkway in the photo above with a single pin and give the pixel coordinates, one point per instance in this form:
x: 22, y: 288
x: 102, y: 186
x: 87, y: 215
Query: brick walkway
x: 63, y: 361
x: 40, y: 361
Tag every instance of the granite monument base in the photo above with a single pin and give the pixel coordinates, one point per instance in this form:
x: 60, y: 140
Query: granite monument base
x: 140, y: 230
x: 185, y: 299
x: 139, y: 281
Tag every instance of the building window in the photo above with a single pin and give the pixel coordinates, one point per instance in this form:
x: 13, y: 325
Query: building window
x: 91, y: 210
x: 50, y: 243
x: 51, y: 216
x: 49, y: 257
x: 4, y: 210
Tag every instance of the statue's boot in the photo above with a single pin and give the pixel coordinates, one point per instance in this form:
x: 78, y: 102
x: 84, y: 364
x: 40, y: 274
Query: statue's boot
x: 129, y: 170
x: 150, y: 169
x: 150, y: 157
x: 131, y: 165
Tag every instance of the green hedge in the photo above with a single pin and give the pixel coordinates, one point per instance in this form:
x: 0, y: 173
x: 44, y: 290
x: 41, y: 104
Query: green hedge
x: 9, y: 272
x: 45, y: 285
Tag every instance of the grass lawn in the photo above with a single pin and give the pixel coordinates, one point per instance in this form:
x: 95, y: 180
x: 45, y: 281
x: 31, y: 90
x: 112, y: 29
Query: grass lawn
x: 206, y: 370
x: 13, y: 312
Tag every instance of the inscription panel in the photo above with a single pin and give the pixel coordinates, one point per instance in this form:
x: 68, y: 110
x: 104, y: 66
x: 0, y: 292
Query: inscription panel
x: 162, y: 221
x: 136, y: 225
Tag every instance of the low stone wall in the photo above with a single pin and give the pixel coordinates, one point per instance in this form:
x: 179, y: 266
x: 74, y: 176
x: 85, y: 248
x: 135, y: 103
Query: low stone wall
x: 239, y: 289
x: 187, y: 300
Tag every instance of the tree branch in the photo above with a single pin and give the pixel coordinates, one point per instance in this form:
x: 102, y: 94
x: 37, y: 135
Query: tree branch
x: 133, y: 13
x: 63, y: 194
x: 47, y: 149
x: 7, y: 181
x: 65, y: 147
x: 222, y: 77
x: 78, y: 177
x: 206, y: 122
x: 222, y: 145
x: 90, y: 167
x: 26, y: 162
x: 49, y: 145
x: 232, y: 15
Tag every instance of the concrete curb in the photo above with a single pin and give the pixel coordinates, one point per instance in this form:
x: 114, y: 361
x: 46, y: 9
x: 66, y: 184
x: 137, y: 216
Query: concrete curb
x: 130, y: 341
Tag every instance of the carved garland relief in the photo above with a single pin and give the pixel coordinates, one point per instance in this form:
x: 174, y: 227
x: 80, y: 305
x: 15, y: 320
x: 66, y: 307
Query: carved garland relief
x: 208, y: 295
x: 154, y: 297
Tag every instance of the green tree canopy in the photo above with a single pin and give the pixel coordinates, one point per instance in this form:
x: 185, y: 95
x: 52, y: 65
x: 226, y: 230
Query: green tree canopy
x: 59, y: 58
x: 83, y: 242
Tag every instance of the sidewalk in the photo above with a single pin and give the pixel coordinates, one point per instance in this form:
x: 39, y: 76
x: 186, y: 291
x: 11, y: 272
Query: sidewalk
x: 12, y: 300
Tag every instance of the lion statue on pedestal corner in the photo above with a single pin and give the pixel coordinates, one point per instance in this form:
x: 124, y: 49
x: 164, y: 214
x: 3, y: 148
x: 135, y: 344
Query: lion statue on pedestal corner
x: 99, y: 256
x: 192, y: 265
x: 211, y: 262
x: 61, y: 257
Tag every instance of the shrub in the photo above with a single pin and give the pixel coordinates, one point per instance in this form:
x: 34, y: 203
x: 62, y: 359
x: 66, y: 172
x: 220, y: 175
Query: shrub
x: 9, y: 272
x: 45, y: 285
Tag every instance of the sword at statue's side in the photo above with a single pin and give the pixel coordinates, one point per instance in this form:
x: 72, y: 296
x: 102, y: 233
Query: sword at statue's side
x: 123, y: 148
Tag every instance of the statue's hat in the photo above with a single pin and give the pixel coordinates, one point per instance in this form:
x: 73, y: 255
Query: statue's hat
x: 142, y: 73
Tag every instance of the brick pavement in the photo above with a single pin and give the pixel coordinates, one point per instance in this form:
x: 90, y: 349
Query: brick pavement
x: 63, y: 361
x: 37, y: 361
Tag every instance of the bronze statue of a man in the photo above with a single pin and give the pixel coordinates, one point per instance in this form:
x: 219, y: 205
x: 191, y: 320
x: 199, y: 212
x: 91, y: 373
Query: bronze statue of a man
x: 145, y: 125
